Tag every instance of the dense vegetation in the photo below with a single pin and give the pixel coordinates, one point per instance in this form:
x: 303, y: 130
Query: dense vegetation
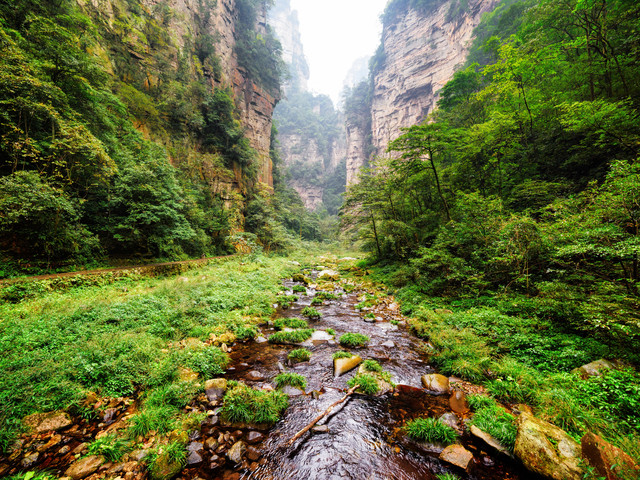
x: 112, y: 140
x: 516, y: 205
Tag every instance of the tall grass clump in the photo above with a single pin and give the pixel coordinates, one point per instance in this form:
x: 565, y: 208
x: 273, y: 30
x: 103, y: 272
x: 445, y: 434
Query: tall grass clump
x: 242, y: 404
x: 430, y: 430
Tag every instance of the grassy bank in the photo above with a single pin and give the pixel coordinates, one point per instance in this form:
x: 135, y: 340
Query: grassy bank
x: 522, y: 352
x: 124, y: 336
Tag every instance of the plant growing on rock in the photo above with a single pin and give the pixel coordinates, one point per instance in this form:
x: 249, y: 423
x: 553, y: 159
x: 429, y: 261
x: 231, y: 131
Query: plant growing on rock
x: 167, y: 461
x: 316, y: 301
x: 295, y: 336
x: 341, y: 354
x: 286, y: 300
x: 310, y: 312
x: 353, y: 340
x: 292, y: 379
x: 372, y: 366
x: 331, y: 331
x: 299, y: 355
x: 326, y: 296
x: 281, y: 323
x: 430, y: 430
x: 242, y: 404
x: 112, y: 447
x: 298, y: 289
x: 447, y: 476
x: 367, y: 383
x: 498, y: 423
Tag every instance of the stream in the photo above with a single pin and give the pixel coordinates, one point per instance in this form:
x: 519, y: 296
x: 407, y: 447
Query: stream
x: 363, y: 438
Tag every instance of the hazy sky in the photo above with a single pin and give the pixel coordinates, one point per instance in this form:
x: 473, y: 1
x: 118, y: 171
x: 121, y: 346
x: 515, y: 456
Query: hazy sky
x: 334, y: 34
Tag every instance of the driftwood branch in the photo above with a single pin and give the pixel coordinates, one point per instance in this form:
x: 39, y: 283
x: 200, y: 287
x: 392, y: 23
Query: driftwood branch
x: 322, y: 415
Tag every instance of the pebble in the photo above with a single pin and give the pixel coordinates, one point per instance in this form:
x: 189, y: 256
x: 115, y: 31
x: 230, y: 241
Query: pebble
x: 389, y: 344
x: 254, y: 437
x: 30, y: 460
x: 320, y: 429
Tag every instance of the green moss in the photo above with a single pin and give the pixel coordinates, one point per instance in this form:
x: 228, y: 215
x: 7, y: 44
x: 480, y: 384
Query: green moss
x: 299, y: 289
x: 295, y: 336
x: 372, y: 366
x: 430, y: 430
x: 291, y: 379
x: 316, y: 301
x: 353, y: 340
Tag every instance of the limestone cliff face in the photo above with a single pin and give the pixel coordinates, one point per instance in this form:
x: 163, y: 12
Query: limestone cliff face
x: 287, y: 26
x: 421, y: 51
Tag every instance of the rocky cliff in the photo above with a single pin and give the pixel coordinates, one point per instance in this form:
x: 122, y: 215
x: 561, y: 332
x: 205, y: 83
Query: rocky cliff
x: 419, y: 53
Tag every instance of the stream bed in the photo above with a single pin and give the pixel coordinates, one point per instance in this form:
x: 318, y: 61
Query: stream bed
x: 362, y: 438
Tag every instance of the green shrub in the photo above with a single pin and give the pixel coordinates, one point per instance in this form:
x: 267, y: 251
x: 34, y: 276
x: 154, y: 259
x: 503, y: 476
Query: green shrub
x: 327, y: 296
x: 476, y: 402
x: 177, y: 395
x: 286, y: 300
x: 242, y: 404
x: 295, y: 336
x: 353, y: 340
x: 299, y: 355
x: 310, y: 312
x: 281, y: 323
x: 367, y: 384
x: 342, y: 354
x: 447, y: 476
x: 245, y: 332
x: 113, y: 448
x: 291, y: 379
x: 430, y: 430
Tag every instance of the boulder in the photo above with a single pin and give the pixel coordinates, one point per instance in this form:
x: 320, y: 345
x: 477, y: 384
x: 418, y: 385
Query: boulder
x: 47, y: 422
x: 165, y: 468
x: 490, y: 440
x: 84, y: 467
x: 194, y: 459
x: 298, y: 277
x: 255, y: 376
x: 547, y: 450
x: 609, y: 462
x: 388, y: 344
x: 215, y: 388
x: 328, y: 276
x: 594, y: 369
x: 436, y: 384
x: 236, y: 452
x: 292, y: 391
x: 343, y: 365
x: 458, y: 402
x: 457, y: 455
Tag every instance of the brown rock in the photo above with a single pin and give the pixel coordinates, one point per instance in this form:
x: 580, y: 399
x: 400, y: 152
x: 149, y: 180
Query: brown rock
x: 435, y: 383
x: 343, y: 365
x: 53, y: 441
x: 457, y: 455
x: 84, y: 467
x: 236, y: 452
x: 594, y: 369
x: 255, y: 376
x: 30, y: 460
x: 489, y: 440
x: 547, y: 450
x: 253, y: 453
x: 610, y: 462
x: 254, y: 437
x: 47, y: 422
x: 458, y: 402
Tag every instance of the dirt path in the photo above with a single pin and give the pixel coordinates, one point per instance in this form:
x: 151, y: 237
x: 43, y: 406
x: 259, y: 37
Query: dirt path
x: 142, y: 268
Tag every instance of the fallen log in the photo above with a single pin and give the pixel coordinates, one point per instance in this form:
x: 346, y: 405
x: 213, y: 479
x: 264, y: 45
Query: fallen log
x: 322, y: 415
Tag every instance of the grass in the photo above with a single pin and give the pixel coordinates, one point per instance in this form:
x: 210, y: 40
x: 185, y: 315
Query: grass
x: 281, y: 323
x: 286, y: 301
x: 291, y: 379
x: 310, y: 312
x: 113, y: 335
x: 331, y: 331
x: 353, y: 340
x: 367, y: 383
x: 447, y: 476
x: 242, y: 404
x: 299, y: 355
x: 316, y: 301
x: 292, y: 337
x: 372, y: 366
x: 494, y: 420
x: 112, y: 447
x: 430, y: 430
x: 33, y: 476
x: 167, y: 461
x: 299, y: 289
x: 327, y: 296
x: 341, y: 354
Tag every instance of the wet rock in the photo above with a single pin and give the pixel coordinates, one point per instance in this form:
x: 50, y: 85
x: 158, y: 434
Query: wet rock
x: 435, y: 383
x: 393, y: 307
x: 521, y: 408
x: 320, y: 336
x: 489, y: 440
x: 547, y: 450
x: 53, y: 441
x: 64, y: 450
x: 139, y: 455
x: 369, y: 320
x: 211, y: 443
x: 215, y: 389
x: 329, y: 276
x: 254, y: 437
x: 594, y: 369
x: 165, y: 468
x: 343, y: 365
x: 389, y: 344
x: 236, y: 452
x: 30, y: 460
x: 194, y: 459
x: 253, y: 454
x: 261, y: 339
x: 195, y: 447
x: 215, y: 462
x: 84, y: 467
x: 457, y: 455
x: 47, y: 422
x: 298, y: 277
x: 609, y: 462
x: 450, y: 419
x: 292, y: 391
x: 320, y: 429
x: 195, y: 435
x: 458, y: 402
x: 255, y: 376
x: 110, y: 415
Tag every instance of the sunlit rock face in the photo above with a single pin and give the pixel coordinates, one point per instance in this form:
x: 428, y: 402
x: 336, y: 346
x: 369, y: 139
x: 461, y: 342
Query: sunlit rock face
x: 422, y: 50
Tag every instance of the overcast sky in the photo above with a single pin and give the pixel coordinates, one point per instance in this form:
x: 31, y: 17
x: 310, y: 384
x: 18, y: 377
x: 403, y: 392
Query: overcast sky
x: 334, y: 34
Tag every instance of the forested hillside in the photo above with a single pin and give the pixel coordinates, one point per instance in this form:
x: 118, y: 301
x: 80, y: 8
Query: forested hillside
x: 517, y: 202
x: 132, y: 129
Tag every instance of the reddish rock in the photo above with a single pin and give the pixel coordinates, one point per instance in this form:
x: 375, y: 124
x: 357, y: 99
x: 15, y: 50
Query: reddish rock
x: 458, y: 402
x: 610, y: 462
x: 254, y: 437
x: 253, y: 453
x: 457, y: 455
x: 85, y: 467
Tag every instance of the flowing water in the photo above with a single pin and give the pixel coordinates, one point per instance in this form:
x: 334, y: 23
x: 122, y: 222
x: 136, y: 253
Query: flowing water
x: 364, y: 438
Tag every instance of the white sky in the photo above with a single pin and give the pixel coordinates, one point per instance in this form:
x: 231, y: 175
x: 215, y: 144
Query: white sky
x: 334, y: 34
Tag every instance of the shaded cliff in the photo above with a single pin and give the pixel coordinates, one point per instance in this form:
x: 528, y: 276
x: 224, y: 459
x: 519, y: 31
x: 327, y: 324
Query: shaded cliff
x: 422, y: 45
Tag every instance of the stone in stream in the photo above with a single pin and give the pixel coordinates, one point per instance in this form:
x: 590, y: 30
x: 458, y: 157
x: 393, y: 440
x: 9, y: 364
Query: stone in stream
x: 435, y: 383
x: 47, y: 422
x: 329, y: 276
x: 30, y: 460
x: 255, y: 376
x: 215, y: 389
x: 450, y: 419
x: 383, y: 385
x: 389, y: 344
x: 261, y: 339
x: 343, y: 365
x: 609, y: 462
x: 292, y: 391
x: 457, y: 455
x: 254, y: 437
x: 320, y: 429
x: 84, y: 467
x: 236, y: 452
x: 194, y: 459
x: 458, y: 402
x: 489, y: 440
x: 594, y: 369
x: 547, y: 450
